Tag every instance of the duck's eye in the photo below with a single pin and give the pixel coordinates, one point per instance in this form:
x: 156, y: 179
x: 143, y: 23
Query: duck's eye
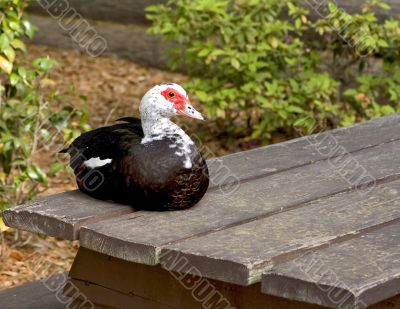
x: 171, y: 94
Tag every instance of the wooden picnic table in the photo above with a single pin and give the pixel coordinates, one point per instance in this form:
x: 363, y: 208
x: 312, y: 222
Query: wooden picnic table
x: 306, y: 223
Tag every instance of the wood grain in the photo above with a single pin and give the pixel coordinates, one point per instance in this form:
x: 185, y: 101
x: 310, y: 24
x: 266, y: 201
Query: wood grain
x: 353, y: 274
x: 63, y: 215
x: 140, y: 236
x: 103, y: 297
x: 30, y: 296
x: 240, y: 254
x: 122, y: 284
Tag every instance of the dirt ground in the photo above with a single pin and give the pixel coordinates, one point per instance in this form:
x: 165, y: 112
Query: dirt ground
x: 110, y: 88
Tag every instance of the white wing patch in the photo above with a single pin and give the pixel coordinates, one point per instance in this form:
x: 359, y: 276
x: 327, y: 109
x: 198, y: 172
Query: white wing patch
x: 96, y: 162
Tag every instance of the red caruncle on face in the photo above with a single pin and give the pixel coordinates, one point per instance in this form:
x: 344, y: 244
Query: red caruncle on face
x: 175, y: 97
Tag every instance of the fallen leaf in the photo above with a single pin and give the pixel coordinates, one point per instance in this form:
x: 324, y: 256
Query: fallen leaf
x: 3, y: 227
x: 18, y: 255
x: 10, y: 273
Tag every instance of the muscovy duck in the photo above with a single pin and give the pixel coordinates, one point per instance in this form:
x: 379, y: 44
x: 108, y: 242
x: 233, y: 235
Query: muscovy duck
x: 150, y: 164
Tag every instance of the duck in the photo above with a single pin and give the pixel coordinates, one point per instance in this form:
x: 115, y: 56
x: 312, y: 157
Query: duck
x: 148, y: 163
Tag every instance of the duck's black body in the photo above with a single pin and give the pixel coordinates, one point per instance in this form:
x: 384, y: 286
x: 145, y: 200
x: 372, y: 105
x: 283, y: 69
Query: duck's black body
x: 145, y: 175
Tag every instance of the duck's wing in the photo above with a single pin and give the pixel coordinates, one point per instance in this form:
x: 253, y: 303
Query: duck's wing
x: 133, y: 121
x: 105, y: 144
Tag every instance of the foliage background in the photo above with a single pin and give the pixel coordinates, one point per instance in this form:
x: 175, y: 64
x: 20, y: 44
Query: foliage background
x: 264, y: 67
x: 30, y: 123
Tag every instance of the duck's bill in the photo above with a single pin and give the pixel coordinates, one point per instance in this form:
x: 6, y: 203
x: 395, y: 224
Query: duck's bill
x: 191, y: 112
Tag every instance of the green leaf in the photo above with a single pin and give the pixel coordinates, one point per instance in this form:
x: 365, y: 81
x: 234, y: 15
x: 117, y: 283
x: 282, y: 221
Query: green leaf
x: 22, y: 72
x: 10, y: 53
x: 18, y: 44
x: 56, y: 168
x: 29, y: 29
x: 14, y: 25
x: 383, y: 43
x: 202, y: 95
x: 152, y: 8
x: 204, y: 52
x: 283, y: 114
x: 235, y: 63
x: 384, y: 6
x: 4, y: 41
x: 295, y: 109
x: 350, y: 92
x: 44, y: 64
x: 35, y: 173
x: 387, y: 110
x: 14, y: 79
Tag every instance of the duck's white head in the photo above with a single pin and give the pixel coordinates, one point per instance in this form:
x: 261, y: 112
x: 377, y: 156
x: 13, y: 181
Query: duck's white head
x: 165, y: 101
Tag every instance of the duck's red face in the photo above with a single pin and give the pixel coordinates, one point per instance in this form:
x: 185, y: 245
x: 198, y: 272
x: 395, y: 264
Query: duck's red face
x: 181, y: 103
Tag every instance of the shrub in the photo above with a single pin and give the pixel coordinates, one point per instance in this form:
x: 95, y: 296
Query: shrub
x: 264, y: 66
x: 29, y: 124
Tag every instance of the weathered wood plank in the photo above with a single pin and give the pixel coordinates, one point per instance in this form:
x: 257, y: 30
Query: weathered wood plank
x: 139, y: 236
x: 30, y: 296
x: 104, y: 297
x: 240, y: 254
x: 393, y: 302
x: 62, y: 215
x: 126, y: 285
x: 352, y: 274
x: 122, y: 284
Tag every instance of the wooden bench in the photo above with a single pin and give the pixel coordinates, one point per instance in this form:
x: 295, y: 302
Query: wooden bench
x: 306, y: 223
x: 33, y: 295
